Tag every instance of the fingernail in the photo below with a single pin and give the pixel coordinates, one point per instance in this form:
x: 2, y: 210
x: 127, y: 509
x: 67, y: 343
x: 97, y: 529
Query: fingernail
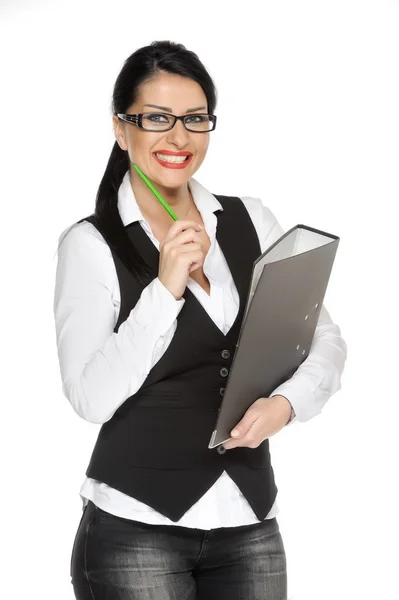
x: 235, y: 433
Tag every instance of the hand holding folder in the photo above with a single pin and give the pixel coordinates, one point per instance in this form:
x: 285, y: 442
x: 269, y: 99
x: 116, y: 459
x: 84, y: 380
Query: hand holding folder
x: 286, y: 293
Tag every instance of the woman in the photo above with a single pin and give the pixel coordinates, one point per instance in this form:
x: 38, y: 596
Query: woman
x: 147, y: 313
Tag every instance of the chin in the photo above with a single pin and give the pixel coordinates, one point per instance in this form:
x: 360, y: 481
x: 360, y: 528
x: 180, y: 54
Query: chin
x: 173, y: 179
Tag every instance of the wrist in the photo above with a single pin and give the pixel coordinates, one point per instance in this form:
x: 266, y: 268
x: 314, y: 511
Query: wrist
x: 290, y: 413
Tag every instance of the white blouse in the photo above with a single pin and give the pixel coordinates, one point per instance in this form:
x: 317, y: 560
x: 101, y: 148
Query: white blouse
x: 100, y: 369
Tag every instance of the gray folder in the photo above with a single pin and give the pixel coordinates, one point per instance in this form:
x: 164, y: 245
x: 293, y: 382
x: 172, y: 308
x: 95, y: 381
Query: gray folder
x: 286, y: 293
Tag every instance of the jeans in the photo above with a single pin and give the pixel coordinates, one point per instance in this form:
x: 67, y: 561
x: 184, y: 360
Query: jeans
x: 121, y: 559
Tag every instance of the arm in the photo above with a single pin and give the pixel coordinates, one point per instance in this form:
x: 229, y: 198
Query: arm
x: 319, y: 376
x: 100, y: 369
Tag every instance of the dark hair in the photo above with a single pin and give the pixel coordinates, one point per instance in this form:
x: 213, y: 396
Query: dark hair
x: 141, y: 66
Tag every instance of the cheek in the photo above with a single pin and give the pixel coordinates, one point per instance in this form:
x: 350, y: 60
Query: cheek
x: 203, y: 146
x: 143, y: 142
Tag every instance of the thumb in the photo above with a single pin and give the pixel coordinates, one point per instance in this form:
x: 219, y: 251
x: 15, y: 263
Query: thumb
x: 244, y: 425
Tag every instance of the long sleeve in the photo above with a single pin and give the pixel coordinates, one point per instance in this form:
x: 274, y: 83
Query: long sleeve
x: 319, y: 376
x: 99, y: 368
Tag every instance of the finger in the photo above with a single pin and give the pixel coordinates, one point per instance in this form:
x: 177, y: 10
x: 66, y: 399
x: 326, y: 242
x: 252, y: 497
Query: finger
x: 244, y: 426
x: 191, y: 258
x: 246, y: 439
x: 244, y: 442
x: 189, y: 247
x: 189, y: 235
x: 180, y: 226
x: 184, y: 237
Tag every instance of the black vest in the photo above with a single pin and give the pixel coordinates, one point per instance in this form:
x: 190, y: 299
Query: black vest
x: 155, y: 446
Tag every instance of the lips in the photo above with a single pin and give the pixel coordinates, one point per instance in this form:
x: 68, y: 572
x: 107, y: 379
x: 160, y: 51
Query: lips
x: 171, y: 153
x: 170, y: 165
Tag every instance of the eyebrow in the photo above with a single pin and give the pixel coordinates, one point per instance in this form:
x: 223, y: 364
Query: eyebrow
x: 167, y: 109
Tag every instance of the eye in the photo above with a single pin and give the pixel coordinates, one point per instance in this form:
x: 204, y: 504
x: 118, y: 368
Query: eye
x: 197, y: 119
x: 157, y: 118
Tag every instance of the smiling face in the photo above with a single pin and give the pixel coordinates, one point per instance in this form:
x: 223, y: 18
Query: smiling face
x: 174, y: 94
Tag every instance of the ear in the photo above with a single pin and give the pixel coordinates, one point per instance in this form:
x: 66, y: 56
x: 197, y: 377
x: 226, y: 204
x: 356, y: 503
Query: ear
x: 119, y: 132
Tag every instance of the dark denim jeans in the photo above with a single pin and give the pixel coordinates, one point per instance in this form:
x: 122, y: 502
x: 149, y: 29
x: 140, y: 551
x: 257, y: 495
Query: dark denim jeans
x: 121, y: 559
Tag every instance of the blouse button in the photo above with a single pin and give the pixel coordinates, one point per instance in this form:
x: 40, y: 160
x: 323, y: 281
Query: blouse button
x: 221, y: 391
x: 224, y: 372
x: 221, y: 449
x: 226, y: 354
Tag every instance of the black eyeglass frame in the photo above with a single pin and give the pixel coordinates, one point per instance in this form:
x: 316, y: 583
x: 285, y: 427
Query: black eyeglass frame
x: 137, y: 120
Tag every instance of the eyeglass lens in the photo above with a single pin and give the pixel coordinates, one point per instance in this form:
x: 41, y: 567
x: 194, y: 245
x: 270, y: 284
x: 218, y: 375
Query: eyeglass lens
x: 162, y: 122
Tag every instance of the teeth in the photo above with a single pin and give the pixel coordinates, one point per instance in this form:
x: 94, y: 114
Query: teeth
x: 171, y: 159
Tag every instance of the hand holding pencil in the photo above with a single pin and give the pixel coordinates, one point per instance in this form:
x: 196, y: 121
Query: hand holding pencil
x: 180, y: 254
x: 180, y: 250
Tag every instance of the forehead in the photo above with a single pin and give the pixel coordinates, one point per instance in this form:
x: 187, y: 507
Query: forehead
x: 173, y: 91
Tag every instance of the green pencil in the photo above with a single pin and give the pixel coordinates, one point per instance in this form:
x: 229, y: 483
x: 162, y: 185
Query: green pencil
x: 155, y: 192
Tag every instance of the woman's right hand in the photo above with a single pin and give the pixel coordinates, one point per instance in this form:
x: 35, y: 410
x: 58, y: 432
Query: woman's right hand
x: 180, y: 254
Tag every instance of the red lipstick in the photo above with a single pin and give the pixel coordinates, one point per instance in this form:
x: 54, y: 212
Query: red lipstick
x: 171, y: 153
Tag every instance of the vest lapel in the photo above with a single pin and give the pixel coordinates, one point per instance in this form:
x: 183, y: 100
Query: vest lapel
x: 238, y: 241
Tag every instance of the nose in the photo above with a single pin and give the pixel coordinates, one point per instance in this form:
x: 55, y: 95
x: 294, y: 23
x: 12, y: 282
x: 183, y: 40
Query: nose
x: 178, y: 135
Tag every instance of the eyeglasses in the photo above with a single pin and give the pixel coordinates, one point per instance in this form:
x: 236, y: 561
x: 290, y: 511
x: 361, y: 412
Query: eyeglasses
x: 149, y: 121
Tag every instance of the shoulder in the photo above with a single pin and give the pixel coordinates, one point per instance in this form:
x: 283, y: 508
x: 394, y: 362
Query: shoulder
x: 85, y: 265
x: 265, y: 221
x: 258, y: 210
x: 84, y: 259
x: 82, y: 235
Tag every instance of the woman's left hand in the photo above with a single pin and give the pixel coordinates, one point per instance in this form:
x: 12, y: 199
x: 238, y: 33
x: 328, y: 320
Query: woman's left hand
x: 264, y: 418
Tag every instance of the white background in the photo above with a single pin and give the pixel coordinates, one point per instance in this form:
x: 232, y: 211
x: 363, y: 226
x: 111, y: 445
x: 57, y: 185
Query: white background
x: 308, y: 121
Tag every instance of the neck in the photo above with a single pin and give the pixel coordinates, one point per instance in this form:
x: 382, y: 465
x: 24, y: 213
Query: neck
x: 179, y: 199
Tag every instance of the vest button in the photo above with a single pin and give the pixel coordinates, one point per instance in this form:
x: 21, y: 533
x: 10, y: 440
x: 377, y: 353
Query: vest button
x: 221, y: 449
x: 224, y: 372
x: 222, y: 391
x: 226, y: 354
